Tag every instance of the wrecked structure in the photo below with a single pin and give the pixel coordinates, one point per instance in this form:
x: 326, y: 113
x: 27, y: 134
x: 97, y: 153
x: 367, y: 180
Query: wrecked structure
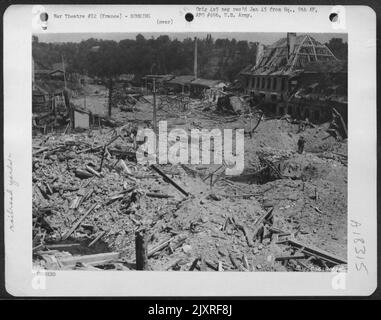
x: 180, y: 84
x: 55, y: 72
x: 92, y: 200
x: 95, y: 207
x: 298, y: 76
x: 322, y: 86
x: 157, y: 80
x: 199, y: 87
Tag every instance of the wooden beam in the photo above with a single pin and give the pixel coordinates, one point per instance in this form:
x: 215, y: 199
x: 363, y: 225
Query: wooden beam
x: 158, y: 195
x: 169, y: 180
x: 297, y: 53
x: 91, y: 259
x: 342, y: 121
x: 316, y: 252
x: 261, y: 220
x: 76, y: 225
x: 141, y: 241
x: 100, y: 235
x: 313, y: 47
x: 159, y: 247
x: 246, y: 232
x: 296, y: 256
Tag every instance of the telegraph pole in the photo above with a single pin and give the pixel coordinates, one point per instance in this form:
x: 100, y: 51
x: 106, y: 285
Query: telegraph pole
x: 195, y: 58
x: 63, y: 69
x: 110, y: 96
x: 154, y: 106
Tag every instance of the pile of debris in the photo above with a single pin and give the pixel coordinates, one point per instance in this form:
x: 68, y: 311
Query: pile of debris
x: 231, y: 104
x: 96, y: 208
x: 128, y: 100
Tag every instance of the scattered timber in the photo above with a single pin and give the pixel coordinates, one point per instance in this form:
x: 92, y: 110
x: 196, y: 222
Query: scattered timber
x: 77, y: 224
x: 169, y: 180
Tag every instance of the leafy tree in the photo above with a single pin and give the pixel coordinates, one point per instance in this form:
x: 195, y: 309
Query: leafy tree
x: 339, y: 48
x: 217, y: 59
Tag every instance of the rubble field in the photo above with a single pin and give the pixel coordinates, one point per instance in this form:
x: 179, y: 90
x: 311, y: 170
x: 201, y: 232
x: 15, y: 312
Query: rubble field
x: 286, y: 212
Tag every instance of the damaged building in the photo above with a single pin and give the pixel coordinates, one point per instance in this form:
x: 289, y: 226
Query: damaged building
x: 299, y: 76
x: 97, y: 206
x: 180, y: 84
x: 199, y: 87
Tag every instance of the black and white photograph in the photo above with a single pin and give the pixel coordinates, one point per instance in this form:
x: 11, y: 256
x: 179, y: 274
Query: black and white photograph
x: 222, y: 152
x: 190, y: 151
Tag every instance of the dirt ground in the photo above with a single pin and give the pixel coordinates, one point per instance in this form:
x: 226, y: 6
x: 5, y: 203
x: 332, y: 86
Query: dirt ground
x: 308, y: 197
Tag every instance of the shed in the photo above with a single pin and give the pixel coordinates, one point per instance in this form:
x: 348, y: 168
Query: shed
x: 199, y: 86
x: 180, y: 83
x: 57, y: 74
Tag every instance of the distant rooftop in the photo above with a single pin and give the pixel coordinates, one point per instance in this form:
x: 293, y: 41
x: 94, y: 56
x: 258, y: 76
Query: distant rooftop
x: 206, y: 82
x: 181, y: 80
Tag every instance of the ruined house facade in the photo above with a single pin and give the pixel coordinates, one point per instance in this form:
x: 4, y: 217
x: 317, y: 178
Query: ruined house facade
x: 297, y: 64
x: 321, y: 87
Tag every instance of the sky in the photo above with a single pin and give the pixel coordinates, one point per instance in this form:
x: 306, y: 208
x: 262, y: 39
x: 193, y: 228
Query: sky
x: 262, y: 37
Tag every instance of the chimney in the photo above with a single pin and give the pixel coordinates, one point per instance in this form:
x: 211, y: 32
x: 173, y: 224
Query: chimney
x: 195, y: 58
x: 291, y: 40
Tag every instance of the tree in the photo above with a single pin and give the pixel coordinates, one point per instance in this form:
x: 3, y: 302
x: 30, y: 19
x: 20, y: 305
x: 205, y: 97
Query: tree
x: 140, y: 38
x: 217, y: 59
x: 339, y: 48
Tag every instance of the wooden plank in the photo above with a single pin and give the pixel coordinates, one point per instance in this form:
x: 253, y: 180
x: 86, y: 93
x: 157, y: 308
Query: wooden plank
x: 211, y: 264
x: 61, y: 246
x: 296, y: 256
x: 169, y: 180
x: 272, y: 167
x: 159, y: 247
x: 40, y: 151
x: 194, y: 264
x: 266, y: 216
x: 76, y: 225
x: 321, y: 254
x: 91, y: 259
x: 157, y: 195
x: 246, y: 232
x: 261, y: 220
x: 100, y: 235
x: 94, y: 172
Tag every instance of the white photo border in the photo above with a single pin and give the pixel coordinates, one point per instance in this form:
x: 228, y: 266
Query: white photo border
x: 361, y: 278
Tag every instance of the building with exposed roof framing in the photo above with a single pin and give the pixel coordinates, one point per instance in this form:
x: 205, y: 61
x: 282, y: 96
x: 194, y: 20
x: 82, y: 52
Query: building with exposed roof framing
x: 289, y: 64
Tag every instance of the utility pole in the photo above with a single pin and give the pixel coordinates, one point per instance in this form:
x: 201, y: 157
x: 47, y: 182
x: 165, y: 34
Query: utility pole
x: 154, y: 105
x: 66, y: 95
x: 110, y: 96
x: 63, y: 69
x: 84, y: 95
x: 195, y: 58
